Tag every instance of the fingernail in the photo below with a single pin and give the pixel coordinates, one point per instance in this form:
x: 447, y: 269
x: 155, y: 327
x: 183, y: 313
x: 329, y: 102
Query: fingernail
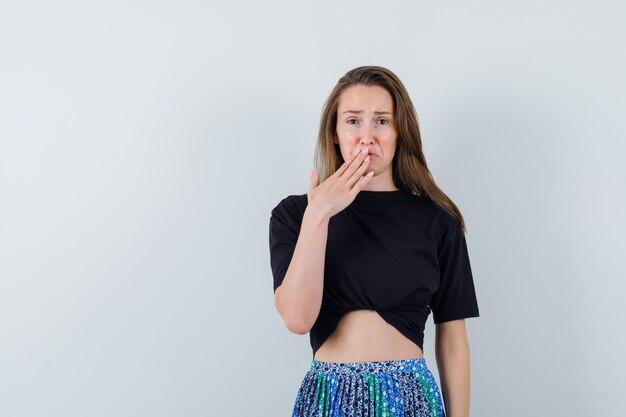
x: 356, y: 151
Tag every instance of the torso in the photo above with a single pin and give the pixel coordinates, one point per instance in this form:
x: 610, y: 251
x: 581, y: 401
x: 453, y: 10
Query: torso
x: 364, y: 336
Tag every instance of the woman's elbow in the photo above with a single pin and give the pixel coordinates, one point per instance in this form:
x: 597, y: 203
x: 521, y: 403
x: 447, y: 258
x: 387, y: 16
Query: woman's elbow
x: 291, y: 320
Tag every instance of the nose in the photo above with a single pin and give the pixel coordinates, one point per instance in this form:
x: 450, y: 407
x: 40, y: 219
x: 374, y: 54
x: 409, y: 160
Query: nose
x: 367, y: 137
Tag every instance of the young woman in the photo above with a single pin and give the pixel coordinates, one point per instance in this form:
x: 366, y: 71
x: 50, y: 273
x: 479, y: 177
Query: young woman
x: 363, y: 257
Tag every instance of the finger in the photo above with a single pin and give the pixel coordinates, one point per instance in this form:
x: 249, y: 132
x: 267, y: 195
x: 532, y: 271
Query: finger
x: 346, y: 164
x: 354, y: 164
x: 314, y: 180
x: 362, y: 182
x: 358, y: 174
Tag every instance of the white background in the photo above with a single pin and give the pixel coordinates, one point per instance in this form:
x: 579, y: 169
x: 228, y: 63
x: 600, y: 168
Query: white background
x: 143, y: 145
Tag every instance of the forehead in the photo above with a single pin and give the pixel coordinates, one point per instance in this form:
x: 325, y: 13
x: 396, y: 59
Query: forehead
x: 366, y: 98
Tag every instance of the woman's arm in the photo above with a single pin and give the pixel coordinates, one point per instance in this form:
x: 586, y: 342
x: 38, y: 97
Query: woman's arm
x: 299, y: 297
x: 453, y: 361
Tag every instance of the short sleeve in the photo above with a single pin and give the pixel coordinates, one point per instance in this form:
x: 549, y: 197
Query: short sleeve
x: 455, y: 297
x: 284, y: 228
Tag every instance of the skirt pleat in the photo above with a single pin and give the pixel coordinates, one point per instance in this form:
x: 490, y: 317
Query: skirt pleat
x: 393, y: 388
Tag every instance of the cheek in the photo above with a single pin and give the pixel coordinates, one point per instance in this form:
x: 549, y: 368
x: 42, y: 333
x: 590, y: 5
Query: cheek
x: 345, y: 135
x: 342, y: 128
x: 389, y: 139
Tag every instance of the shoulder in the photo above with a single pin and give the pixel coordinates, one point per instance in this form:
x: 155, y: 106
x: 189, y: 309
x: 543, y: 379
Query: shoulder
x: 292, y: 206
x: 445, y: 224
x: 427, y: 207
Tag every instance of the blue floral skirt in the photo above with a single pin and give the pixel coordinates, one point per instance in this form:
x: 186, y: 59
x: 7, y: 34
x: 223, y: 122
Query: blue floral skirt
x: 392, y: 388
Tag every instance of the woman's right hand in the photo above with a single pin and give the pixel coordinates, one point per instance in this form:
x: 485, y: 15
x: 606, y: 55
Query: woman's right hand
x: 341, y: 188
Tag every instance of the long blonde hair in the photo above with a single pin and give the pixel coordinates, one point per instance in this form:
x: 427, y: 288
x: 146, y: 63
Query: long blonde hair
x: 410, y: 171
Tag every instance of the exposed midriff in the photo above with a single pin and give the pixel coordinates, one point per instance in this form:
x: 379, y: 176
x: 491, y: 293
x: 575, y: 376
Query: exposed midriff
x: 364, y: 336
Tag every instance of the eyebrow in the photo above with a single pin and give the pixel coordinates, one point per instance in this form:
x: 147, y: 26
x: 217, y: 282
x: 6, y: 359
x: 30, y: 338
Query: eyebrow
x: 361, y: 111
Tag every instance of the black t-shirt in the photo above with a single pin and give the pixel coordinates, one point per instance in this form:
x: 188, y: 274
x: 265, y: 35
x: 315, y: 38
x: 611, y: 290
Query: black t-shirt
x: 389, y: 251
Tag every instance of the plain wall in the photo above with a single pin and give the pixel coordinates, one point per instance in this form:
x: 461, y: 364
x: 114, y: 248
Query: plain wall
x: 143, y: 145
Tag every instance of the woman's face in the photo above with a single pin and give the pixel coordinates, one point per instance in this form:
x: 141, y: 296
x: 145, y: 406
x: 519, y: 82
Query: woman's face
x: 365, y: 119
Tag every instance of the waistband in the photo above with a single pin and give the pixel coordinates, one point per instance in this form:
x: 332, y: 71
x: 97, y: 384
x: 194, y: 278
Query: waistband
x: 377, y: 367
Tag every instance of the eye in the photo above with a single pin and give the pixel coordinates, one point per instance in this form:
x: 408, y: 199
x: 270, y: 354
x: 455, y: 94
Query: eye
x: 384, y: 120
x: 350, y: 120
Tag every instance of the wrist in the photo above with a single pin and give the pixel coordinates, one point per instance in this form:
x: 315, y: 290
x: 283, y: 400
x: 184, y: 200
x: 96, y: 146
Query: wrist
x: 316, y: 214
